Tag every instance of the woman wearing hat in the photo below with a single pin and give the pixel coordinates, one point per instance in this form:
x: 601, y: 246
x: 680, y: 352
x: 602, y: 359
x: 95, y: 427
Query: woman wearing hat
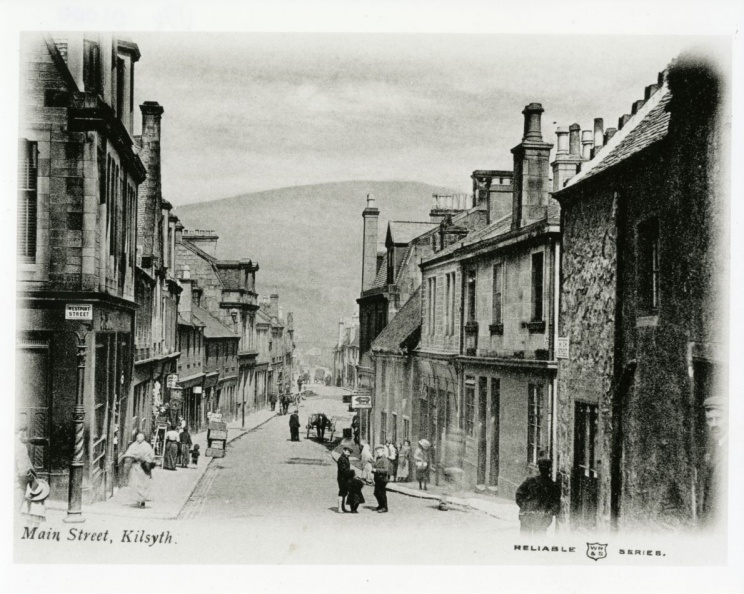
x: 140, y: 473
x: 172, y: 447
x: 421, y: 462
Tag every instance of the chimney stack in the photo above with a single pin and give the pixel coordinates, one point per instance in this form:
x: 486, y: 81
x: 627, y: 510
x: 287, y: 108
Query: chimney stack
x: 622, y: 121
x: 274, y: 305
x: 649, y: 92
x: 598, y: 133
x: 150, y: 192
x: 574, y: 140
x: 369, y: 243
x: 567, y: 156
x: 531, y: 171
x: 636, y: 106
x: 204, y: 240
x: 340, y: 332
x: 184, y: 303
x: 587, y: 143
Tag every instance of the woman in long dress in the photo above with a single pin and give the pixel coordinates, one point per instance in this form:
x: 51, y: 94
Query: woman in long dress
x: 170, y: 455
x: 421, y: 461
x: 367, y: 461
x: 404, y: 461
x: 140, y: 473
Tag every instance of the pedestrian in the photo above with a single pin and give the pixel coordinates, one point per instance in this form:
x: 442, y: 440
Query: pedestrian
x: 381, y: 470
x: 355, y: 428
x: 392, y: 454
x: 367, y: 461
x: 404, y: 462
x: 171, y: 449
x: 272, y: 401
x: 343, y: 475
x: 25, y: 472
x: 195, y: 455
x: 421, y: 461
x: 713, y: 473
x: 185, y: 441
x: 140, y: 472
x: 294, y: 426
x: 355, y: 497
x: 538, y: 498
x: 34, y: 507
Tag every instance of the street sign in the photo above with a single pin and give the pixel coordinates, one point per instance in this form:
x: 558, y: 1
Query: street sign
x: 78, y: 311
x: 171, y: 381
x: 361, y: 401
x: 561, y: 348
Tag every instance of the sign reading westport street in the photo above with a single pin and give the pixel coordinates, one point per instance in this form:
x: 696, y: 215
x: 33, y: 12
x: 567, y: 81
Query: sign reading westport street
x: 78, y: 311
x: 561, y: 348
x: 361, y: 401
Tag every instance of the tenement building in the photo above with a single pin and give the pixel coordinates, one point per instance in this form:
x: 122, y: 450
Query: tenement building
x: 487, y: 359
x: 77, y: 213
x: 346, y: 353
x: 644, y: 269
x: 226, y: 289
x: 157, y: 289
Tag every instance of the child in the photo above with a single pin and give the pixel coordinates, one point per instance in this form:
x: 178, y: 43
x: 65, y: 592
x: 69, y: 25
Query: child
x: 195, y: 454
x: 34, y: 505
x: 355, y: 497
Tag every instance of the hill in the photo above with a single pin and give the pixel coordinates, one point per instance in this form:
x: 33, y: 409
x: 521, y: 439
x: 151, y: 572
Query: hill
x: 308, y: 243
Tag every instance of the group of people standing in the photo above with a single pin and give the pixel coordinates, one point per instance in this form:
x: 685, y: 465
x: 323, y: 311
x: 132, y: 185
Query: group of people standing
x: 177, y: 448
x: 389, y: 463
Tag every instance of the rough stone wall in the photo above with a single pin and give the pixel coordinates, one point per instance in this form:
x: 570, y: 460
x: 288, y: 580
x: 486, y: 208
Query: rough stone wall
x: 587, y: 318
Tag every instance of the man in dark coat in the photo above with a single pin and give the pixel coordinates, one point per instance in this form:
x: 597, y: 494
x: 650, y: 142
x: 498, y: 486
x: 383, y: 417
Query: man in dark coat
x: 539, y: 500
x: 382, y: 470
x: 294, y: 426
x: 714, y: 484
x: 343, y: 476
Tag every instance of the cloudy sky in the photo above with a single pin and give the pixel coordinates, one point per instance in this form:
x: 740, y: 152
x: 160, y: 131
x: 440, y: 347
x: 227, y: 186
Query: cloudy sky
x: 247, y: 112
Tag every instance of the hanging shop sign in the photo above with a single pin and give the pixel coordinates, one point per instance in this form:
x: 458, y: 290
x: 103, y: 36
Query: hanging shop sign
x: 172, y: 380
x: 359, y: 401
x: 561, y: 348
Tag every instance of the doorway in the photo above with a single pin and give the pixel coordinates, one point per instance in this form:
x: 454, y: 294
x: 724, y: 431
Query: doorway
x: 493, y: 474
x: 585, y: 489
x: 482, y: 432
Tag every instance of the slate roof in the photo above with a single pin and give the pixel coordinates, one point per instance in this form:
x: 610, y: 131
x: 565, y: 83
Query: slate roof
x: 213, y: 328
x: 401, y: 329
x: 407, y: 231
x: 649, y: 125
x: 190, y: 321
x: 503, y: 225
x: 381, y: 278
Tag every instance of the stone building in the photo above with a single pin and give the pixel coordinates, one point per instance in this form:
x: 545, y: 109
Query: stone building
x: 489, y: 308
x: 227, y: 291
x: 78, y: 179
x: 280, y: 335
x: 156, y: 287
x: 346, y: 353
x: 389, y: 285
x: 644, y: 269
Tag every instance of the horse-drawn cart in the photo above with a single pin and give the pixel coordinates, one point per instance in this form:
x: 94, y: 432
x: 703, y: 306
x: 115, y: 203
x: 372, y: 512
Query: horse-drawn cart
x: 321, y: 425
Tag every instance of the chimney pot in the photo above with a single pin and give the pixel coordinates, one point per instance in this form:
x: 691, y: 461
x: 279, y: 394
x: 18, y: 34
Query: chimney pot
x: 574, y: 140
x: 562, y: 136
x: 587, y: 142
x: 598, y: 133
x: 370, y: 201
x: 532, y: 127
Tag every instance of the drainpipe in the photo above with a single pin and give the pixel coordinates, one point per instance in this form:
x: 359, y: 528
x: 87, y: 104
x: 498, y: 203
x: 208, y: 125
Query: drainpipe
x: 554, y: 404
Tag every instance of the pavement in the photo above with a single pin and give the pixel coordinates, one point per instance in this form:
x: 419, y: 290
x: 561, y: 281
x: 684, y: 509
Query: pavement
x: 170, y: 490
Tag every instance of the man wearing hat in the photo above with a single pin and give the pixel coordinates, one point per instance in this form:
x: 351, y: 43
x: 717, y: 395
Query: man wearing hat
x: 538, y: 499
x: 382, y: 470
x: 294, y: 426
x: 713, y: 496
x: 343, y: 476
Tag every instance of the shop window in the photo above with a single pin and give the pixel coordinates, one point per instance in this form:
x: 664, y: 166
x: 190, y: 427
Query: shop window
x: 534, y: 422
x: 469, y: 406
x: 537, y: 286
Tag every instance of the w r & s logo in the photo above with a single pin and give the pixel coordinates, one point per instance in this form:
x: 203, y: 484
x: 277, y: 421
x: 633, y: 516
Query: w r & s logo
x: 596, y: 551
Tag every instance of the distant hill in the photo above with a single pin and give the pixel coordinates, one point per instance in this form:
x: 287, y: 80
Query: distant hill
x: 308, y: 243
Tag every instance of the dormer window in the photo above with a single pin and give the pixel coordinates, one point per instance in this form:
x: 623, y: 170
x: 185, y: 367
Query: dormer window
x: 391, y: 266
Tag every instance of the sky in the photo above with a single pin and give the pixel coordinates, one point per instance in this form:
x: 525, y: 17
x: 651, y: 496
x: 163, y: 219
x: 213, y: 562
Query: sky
x: 246, y: 112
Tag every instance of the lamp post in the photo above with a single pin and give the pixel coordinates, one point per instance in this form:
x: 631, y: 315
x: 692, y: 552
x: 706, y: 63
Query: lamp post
x: 75, y: 494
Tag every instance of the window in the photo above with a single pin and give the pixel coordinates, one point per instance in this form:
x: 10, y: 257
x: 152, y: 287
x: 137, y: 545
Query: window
x: 470, y: 292
x: 469, y: 406
x: 648, y: 266
x: 498, y: 280
x: 394, y: 432
x: 534, y: 422
x: 92, y: 67
x: 406, y: 429
x: 449, y: 307
x: 537, y: 287
x: 432, y: 304
x: 383, y: 427
x: 423, y: 427
x: 28, y: 169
